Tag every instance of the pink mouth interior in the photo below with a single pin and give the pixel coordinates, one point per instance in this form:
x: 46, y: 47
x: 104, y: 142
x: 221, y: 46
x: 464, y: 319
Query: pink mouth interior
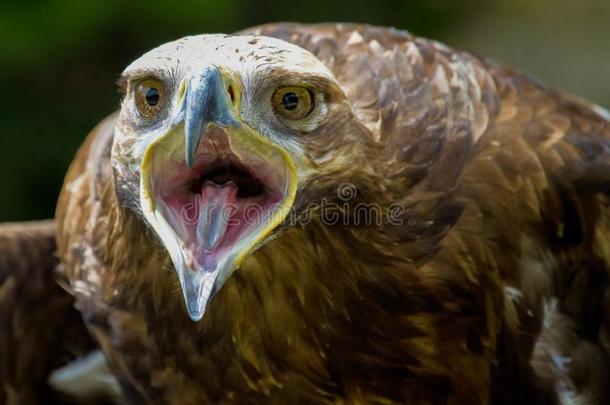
x: 213, y: 205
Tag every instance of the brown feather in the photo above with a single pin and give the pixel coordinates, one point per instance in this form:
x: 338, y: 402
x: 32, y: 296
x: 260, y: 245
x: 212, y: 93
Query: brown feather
x: 40, y: 330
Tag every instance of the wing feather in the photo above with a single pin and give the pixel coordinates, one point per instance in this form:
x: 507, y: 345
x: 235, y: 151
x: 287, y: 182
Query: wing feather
x: 39, y: 328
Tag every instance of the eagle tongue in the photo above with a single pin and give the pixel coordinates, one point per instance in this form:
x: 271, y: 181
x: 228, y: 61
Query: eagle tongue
x: 214, y: 212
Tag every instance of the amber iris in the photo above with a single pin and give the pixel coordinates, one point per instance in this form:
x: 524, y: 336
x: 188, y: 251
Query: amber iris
x: 149, y: 97
x: 293, y: 103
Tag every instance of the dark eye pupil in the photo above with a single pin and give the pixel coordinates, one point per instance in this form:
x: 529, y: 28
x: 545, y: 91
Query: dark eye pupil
x: 290, y: 101
x: 152, y: 96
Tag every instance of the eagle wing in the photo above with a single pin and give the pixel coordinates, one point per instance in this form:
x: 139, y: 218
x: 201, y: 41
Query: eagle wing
x: 40, y: 329
x: 546, y: 160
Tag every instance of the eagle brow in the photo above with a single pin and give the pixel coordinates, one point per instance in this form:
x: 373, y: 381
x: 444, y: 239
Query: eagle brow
x: 285, y: 77
x: 138, y: 74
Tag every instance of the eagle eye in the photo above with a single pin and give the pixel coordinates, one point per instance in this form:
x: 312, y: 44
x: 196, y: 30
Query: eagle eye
x: 293, y: 103
x: 149, y: 97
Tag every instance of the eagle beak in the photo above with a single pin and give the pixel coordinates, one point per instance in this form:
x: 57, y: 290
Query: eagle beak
x: 213, y: 188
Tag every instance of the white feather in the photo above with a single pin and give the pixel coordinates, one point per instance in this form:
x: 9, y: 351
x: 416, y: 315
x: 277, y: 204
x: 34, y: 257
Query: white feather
x: 86, y: 378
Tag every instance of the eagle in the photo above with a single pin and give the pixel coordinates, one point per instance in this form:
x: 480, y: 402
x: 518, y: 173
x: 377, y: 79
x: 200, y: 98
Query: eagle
x: 326, y: 213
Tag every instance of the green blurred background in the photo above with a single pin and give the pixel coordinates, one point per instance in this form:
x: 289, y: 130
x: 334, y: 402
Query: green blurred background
x: 59, y: 60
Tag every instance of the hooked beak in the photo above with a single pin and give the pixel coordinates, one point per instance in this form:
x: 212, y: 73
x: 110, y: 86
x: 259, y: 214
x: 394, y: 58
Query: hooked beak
x: 213, y: 188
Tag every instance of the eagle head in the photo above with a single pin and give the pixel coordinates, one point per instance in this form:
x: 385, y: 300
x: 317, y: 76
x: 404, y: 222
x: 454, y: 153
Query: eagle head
x: 217, y: 138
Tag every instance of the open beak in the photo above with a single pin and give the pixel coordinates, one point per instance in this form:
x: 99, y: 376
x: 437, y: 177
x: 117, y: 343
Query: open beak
x: 213, y: 188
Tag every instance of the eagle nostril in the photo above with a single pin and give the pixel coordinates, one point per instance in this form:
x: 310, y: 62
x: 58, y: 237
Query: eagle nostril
x: 231, y: 93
